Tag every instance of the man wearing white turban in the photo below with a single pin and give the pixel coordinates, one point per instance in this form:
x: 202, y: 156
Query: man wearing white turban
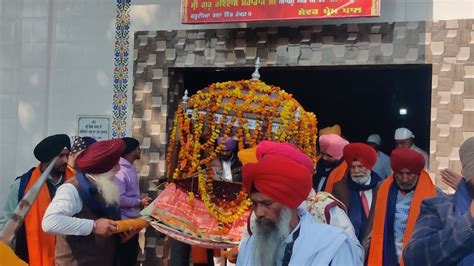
x: 404, y: 138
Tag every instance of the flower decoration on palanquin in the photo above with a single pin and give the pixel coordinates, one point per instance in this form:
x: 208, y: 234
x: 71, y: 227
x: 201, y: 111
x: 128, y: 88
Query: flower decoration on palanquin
x: 249, y: 111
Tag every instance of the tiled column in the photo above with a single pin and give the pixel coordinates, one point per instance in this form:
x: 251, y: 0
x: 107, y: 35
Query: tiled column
x: 451, y: 51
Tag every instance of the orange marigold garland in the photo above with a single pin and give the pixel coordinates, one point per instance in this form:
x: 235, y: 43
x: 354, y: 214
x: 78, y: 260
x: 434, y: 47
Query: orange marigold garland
x: 249, y: 111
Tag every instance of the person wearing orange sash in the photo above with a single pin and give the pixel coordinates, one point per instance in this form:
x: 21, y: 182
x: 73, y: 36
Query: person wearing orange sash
x: 397, y: 208
x: 358, y: 189
x: 330, y: 167
x: 32, y: 244
x: 444, y: 232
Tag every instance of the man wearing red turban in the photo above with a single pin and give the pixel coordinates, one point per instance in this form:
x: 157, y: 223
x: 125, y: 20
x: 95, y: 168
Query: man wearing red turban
x: 358, y: 187
x: 285, y: 233
x: 84, y: 209
x: 397, y: 206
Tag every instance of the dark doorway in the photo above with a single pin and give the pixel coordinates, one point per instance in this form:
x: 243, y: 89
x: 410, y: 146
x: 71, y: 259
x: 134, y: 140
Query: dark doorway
x: 363, y: 100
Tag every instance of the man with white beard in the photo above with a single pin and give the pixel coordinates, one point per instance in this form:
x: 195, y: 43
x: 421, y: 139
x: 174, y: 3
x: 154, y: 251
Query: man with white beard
x: 285, y: 234
x: 83, y: 210
x: 358, y: 189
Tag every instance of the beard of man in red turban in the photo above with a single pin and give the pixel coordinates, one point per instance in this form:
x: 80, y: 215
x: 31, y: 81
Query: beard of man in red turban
x: 99, y: 163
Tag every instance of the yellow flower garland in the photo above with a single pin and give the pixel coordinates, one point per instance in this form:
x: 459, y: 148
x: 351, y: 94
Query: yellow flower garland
x: 236, y: 104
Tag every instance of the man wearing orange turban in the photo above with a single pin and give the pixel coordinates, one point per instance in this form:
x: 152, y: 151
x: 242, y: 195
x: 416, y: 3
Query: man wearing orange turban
x: 397, y: 206
x: 335, y: 129
x: 286, y: 234
x: 358, y: 187
x: 84, y: 209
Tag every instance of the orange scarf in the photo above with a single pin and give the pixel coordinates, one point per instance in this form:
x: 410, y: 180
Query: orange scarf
x: 335, y: 176
x: 424, y: 189
x: 41, y: 246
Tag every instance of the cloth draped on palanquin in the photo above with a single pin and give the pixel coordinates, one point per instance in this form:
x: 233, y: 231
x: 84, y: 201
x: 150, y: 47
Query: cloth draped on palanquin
x: 196, y: 209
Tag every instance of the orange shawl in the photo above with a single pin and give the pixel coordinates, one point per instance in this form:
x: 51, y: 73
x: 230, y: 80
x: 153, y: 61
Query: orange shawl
x: 41, y: 246
x: 335, y: 176
x: 424, y: 189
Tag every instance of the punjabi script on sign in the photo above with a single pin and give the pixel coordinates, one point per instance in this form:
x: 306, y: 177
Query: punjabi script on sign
x: 207, y: 4
x: 301, y: 12
x: 224, y: 11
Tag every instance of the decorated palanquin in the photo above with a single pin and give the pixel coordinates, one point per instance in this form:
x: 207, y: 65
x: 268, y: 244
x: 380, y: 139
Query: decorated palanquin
x: 197, y: 209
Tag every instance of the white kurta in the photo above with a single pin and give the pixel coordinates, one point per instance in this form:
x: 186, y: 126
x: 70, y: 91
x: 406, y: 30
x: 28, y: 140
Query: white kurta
x: 317, y: 244
x: 338, y: 217
x: 58, y: 216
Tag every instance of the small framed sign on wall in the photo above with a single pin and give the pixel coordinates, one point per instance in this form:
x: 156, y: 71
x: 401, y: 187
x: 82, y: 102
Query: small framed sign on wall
x: 96, y: 126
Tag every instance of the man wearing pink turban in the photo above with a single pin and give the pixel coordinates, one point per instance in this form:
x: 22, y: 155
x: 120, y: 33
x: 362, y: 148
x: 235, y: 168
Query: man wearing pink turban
x: 330, y: 163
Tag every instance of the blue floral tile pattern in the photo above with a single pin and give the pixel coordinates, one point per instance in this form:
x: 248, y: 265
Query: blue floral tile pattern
x: 121, y: 55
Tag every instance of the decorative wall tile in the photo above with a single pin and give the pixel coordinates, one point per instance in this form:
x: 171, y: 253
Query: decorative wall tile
x: 449, y: 53
x: 121, y: 54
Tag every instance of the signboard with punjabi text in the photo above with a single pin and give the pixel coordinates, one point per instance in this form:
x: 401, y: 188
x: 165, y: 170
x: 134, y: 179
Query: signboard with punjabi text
x: 222, y: 11
x: 97, y: 127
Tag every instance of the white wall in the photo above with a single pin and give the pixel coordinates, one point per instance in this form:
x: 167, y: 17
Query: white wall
x: 9, y: 41
x: 82, y: 61
x: 23, y: 88
x: 453, y: 9
x: 56, y: 61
